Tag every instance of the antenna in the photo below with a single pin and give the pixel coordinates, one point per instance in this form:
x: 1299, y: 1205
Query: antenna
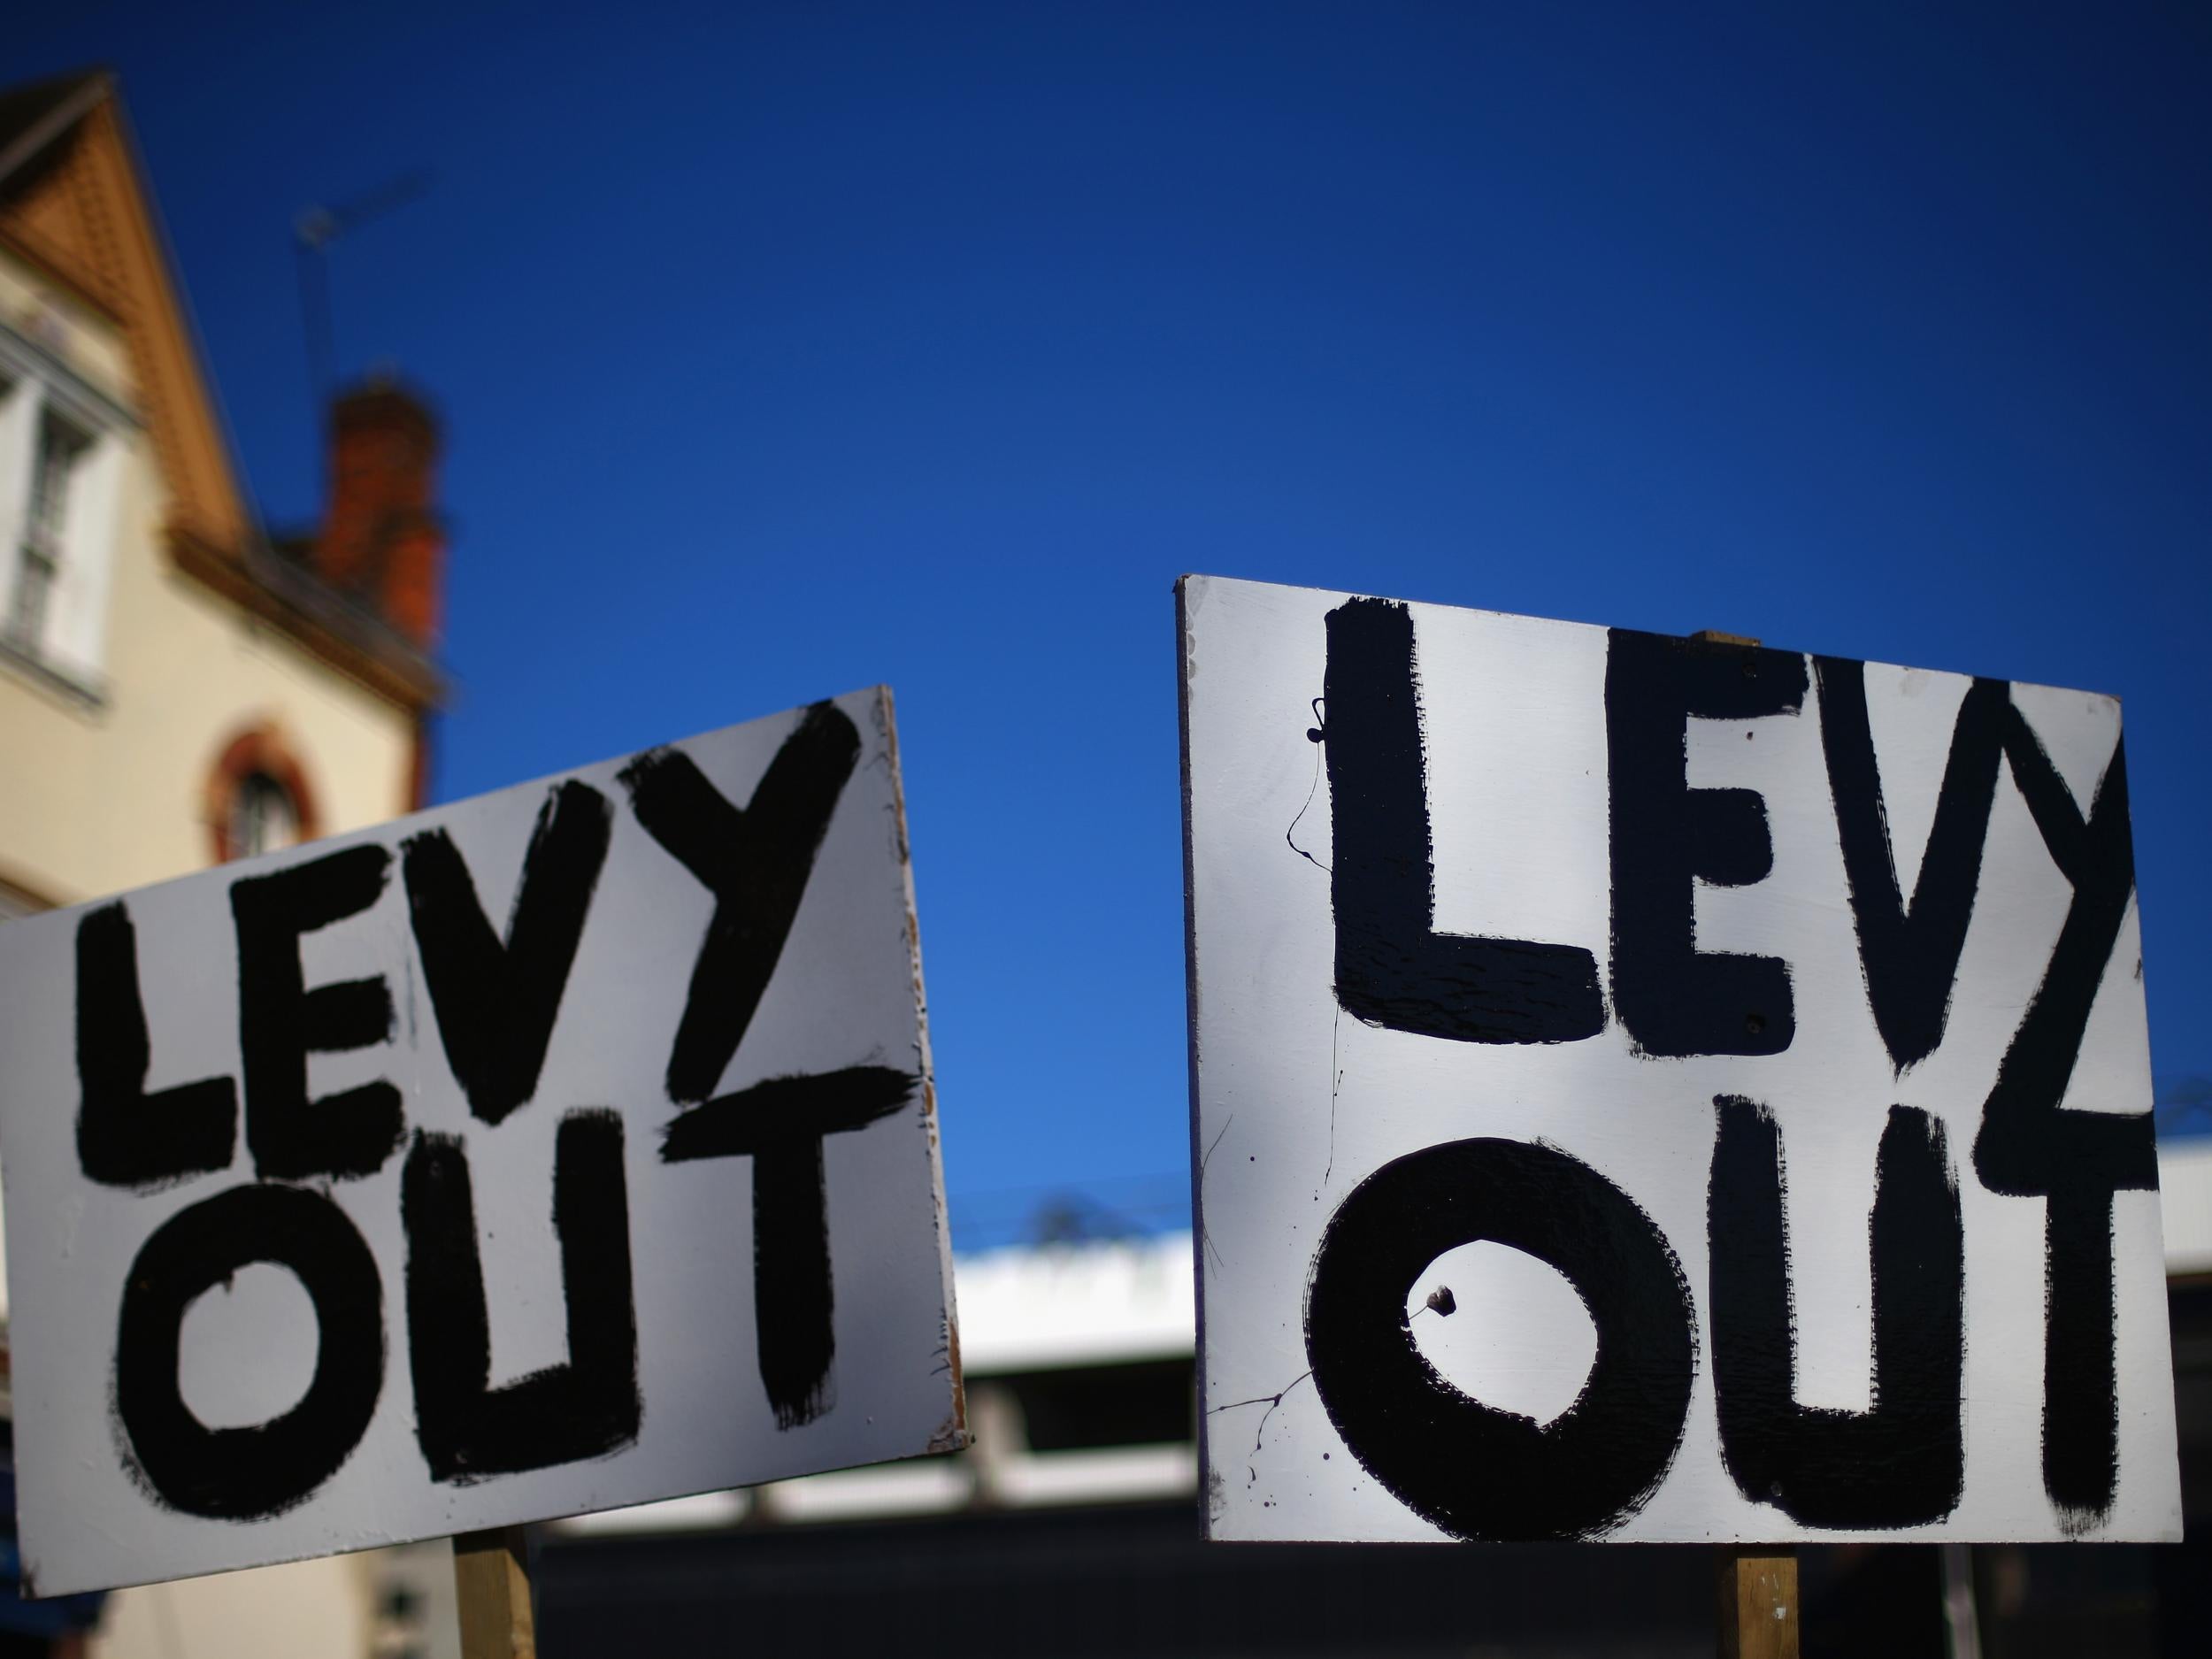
x: 313, y: 230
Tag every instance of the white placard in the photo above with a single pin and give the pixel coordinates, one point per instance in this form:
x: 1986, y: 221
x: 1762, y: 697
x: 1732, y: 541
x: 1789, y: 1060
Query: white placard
x: 568, y: 1148
x: 1656, y: 1090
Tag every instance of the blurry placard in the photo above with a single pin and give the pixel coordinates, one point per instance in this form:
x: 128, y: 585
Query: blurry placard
x: 567, y: 1147
x: 1661, y: 1089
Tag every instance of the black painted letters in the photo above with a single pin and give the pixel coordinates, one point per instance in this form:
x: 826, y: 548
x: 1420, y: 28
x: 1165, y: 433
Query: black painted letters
x: 243, y: 1474
x: 780, y: 1125
x: 1473, y: 1469
x: 280, y: 1022
x: 1902, y: 1464
x: 2029, y: 1146
x: 1482, y: 1473
x: 1392, y: 967
x: 125, y: 1136
x: 1910, y: 955
x: 585, y: 1408
x: 755, y: 863
x: 1675, y: 999
x: 497, y: 1001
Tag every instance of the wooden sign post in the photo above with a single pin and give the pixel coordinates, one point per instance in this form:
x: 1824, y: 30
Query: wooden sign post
x: 1643, y: 1087
x: 491, y: 1574
x: 1757, y: 1602
x: 570, y: 1147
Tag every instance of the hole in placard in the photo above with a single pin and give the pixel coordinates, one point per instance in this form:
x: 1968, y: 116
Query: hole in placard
x: 1519, y: 1339
x: 248, y: 1350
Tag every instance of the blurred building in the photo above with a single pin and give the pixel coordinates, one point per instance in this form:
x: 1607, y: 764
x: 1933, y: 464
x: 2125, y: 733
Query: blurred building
x: 1072, y: 1527
x: 178, y: 686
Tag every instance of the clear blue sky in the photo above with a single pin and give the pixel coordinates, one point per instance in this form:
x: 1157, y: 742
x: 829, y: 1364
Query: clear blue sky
x: 791, y: 348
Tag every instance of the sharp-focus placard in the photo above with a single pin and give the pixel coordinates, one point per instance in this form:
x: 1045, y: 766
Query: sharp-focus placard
x: 567, y: 1147
x: 1657, y: 1089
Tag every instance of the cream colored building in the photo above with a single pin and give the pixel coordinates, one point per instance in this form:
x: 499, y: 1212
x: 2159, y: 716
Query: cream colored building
x: 176, y: 686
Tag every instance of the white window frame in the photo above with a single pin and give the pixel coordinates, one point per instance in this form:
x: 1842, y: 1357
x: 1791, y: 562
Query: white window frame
x: 38, y: 388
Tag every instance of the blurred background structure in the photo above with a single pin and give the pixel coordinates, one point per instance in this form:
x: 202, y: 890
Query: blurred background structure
x: 789, y: 349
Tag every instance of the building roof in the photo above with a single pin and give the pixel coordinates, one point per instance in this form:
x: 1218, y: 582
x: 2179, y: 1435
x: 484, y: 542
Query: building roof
x: 33, y: 116
x: 75, y: 205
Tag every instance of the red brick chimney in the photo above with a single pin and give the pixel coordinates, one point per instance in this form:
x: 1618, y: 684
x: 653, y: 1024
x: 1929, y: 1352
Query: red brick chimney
x: 382, y: 540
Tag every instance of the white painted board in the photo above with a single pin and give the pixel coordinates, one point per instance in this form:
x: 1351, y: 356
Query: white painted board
x: 610, y: 1175
x: 1539, y: 1089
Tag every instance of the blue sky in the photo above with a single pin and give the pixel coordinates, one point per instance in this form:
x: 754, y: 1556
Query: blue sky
x: 786, y: 348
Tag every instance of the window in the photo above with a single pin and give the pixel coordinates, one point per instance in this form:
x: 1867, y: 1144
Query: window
x: 264, y: 817
x: 62, y: 459
x: 59, y: 451
x: 258, y: 799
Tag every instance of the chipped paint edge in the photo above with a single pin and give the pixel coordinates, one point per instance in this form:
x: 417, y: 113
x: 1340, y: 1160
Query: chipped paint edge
x: 951, y: 1435
x: 1185, y: 670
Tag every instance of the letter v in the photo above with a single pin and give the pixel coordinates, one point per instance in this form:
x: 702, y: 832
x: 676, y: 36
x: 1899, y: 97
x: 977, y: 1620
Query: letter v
x: 1910, y: 956
x: 496, y: 1001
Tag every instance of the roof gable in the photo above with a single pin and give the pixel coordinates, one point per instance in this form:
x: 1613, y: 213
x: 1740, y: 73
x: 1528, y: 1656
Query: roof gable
x: 73, y: 203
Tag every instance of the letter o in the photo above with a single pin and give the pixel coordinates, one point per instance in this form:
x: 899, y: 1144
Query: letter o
x: 1474, y: 1471
x: 241, y: 1474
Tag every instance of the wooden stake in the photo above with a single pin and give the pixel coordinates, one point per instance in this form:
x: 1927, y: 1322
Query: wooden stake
x: 1758, y: 1601
x: 491, y: 1572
